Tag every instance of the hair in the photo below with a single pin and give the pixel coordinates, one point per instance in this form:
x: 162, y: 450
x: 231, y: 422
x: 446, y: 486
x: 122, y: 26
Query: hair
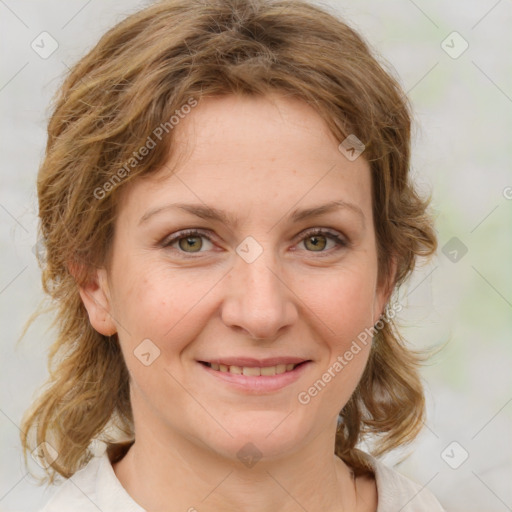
x: 138, y: 75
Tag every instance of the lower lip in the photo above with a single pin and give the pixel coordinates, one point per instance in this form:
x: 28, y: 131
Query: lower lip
x: 259, y: 384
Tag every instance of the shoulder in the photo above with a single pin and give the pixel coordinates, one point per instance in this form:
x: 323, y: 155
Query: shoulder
x: 397, y: 492
x: 93, y: 488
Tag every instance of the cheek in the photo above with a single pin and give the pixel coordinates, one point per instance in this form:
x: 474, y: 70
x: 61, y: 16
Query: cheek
x: 156, y: 302
x: 343, y: 301
x: 342, y: 304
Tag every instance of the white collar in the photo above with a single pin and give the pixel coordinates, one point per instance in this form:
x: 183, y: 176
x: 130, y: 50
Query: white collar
x: 96, y: 488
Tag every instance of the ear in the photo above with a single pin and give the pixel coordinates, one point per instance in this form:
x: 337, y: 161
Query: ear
x: 384, y: 291
x: 95, y: 295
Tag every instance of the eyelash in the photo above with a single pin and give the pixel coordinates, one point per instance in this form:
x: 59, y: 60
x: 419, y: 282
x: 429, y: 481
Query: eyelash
x: 340, y: 242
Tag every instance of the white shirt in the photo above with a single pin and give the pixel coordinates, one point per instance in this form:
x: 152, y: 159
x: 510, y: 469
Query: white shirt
x: 96, y: 488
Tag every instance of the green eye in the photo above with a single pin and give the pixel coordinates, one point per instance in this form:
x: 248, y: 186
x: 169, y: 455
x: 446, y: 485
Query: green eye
x: 319, y: 239
x: 319, y: 242
x: 189, y: 242
x: 192, y: 241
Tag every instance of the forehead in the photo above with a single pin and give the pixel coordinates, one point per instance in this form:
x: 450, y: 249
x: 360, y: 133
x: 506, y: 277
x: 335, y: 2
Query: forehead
x: 269, y: 128
x: 240, y: 152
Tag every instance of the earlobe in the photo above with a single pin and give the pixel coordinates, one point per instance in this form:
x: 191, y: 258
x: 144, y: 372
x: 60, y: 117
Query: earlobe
x: 95, y: 295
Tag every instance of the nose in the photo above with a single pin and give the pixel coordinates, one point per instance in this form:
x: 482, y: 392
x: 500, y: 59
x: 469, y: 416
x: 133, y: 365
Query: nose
x: 258, y: 299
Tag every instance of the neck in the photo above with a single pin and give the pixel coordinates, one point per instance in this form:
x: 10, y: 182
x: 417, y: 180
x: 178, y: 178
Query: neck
x: 176, y: 474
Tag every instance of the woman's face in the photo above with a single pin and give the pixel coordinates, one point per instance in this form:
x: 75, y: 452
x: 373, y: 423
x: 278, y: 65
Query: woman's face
x: 209, y: 321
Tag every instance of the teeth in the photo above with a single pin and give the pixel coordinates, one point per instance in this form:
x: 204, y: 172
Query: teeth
x: 280, y: 368
x: 253, y: 371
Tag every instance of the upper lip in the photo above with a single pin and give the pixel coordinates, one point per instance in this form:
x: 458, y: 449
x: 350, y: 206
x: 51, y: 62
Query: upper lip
x: 252, y: 362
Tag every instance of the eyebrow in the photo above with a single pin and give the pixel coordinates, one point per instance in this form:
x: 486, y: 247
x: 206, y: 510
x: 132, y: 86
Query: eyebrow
x: 211, y: 213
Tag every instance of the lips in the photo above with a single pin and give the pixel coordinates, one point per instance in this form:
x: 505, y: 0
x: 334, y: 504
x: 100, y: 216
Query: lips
x: 255, y: 376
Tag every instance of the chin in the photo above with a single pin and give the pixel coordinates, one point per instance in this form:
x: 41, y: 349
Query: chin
x: 259, y: 436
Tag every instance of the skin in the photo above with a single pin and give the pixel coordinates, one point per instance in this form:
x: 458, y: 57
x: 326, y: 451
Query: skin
x: 258, y: 159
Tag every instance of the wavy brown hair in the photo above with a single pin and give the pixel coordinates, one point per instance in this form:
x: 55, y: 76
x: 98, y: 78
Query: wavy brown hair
x: 138, y: 75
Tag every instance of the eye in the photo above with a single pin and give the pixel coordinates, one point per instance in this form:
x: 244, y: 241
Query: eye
x: 190, y: 239
x: 316, y: 240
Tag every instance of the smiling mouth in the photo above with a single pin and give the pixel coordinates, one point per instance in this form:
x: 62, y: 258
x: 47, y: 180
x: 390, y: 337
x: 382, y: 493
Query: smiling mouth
x: 253, y: 371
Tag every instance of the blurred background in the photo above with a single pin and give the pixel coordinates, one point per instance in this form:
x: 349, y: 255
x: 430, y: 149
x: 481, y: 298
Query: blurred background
x: 453, y: 59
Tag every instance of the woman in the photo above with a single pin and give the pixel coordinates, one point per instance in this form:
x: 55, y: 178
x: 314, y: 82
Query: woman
x: 227, y: 211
